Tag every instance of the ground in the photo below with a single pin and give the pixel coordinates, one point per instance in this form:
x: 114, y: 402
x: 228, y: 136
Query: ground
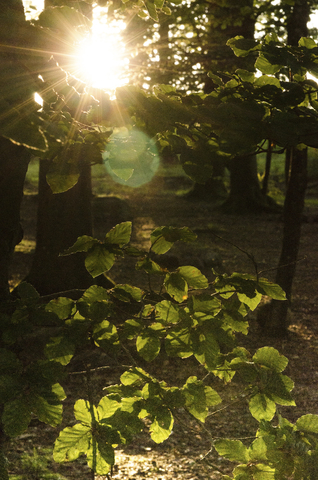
x: 225, y: 242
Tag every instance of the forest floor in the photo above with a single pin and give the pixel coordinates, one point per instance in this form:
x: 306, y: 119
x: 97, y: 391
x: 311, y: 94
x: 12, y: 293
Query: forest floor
x: 187, y: 453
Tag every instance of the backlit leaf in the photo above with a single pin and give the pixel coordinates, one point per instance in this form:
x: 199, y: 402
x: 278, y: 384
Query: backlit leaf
x: 271, y: 358
x: 193, y: 277
x: 120, y: 234
x: 308, y: 423
x: 99, y: 260
x: 233, y: 450
x: 176, y: 287
x: 262, y: 407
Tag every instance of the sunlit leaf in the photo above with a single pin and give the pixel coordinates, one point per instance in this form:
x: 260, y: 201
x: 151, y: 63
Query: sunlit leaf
x: 193, y: 277
x: 271, y: 358
x: 176, y: 287
x: 99, y: 260
x: 262, y: 407
x: 120, y: 234
x: 233, y: 450
x: 71, y: 442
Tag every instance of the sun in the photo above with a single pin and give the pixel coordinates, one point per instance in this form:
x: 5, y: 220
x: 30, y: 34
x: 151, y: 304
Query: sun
x: 100, y: 62
x: 101, y: 58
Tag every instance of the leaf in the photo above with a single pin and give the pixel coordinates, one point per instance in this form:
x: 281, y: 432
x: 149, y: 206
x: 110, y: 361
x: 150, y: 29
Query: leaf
x: 178, y: 343
x: 241, y: 46
x: 27, y: 291
x: 204, y: 303
x: 307, y: 43
x: 233, y: 450
x: 151, y: 8
x: 308, y: 423
x: 148, y: 345
x: 133, y: 376
x: 82, y: 412
x: 176, y: 287
x: 63, y: 307
x: 161, y: 427
x: 120, y: 234
x: 163, y: 238
x: 82, y: 244
x: 199, y: 397
x: 60, y: 349
x: 265, y: 66
x: 207, y: 351
x: 271, y: 358
x: 99, y: 260
x: 100, y: 457
x: 62, y: 182
x: 167, y: 312
x: 271, y: 289
x: 95, y: 293
x: 71, y: 442
x: 126, y: 293
x: 105, y: 335
x: 193, y: 277
x: 262, y: 407
x: 16, y: 417
x: 107, y: 407
x: 47, y: 413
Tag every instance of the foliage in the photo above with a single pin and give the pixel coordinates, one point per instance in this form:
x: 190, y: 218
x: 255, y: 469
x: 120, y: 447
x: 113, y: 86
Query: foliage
x: 183, y: 317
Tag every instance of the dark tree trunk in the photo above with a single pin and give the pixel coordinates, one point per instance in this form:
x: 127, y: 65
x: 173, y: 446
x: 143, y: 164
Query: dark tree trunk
x: 14, y: 162
x: 245, y: 191
x: 62, y: 218
x: 14, y: 159
x: 275, y: 322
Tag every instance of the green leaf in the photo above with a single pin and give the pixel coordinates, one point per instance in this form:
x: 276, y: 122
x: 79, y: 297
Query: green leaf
x: 199, y: 397
x: 120, y: 234
x: 95, y: 293
x: 233, y: 450
x: 100, y: 457
x: 47, y: 413
x: 61, y: 181
x: 163, y: 238
x: 271, y: 358
x: 82, y: 412
x: 267, y: 80
x: 176, y: 286
x: 308, y: 423
x: 134, y: 376
x: 167, y: 312
x: 148, y: 345
x: 161, y: 426
x: 262, y: 407
x: 72, y: 442
x: 207, y: 351
x: 126, y: 293
x: 265, y: 66
x: 178, y: 343
x: 60, y: 349
x: 193, y: 277
x: 105, y: 335
x: 258, y: 450
x: 82, y: 244
x: 63, y: 307
x: 16, y: 417
x: 27, y: 291
x: 107, y: 407
x: 151, y: 8
x: 204, y: 303
x: 99, y: 260
x: 307, y: 43
x: 242, y: 46
x: 271, y: 289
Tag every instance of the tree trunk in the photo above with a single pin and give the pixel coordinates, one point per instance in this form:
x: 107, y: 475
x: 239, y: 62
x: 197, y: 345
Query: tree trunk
x: 245, y: 191
x: 14, y: 162
x: 275, y: 322
x: 14, y: 159
x: 61, y: 219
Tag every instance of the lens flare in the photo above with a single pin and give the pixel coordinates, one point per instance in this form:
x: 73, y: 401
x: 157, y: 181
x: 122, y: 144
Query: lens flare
x: 131, y: 158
